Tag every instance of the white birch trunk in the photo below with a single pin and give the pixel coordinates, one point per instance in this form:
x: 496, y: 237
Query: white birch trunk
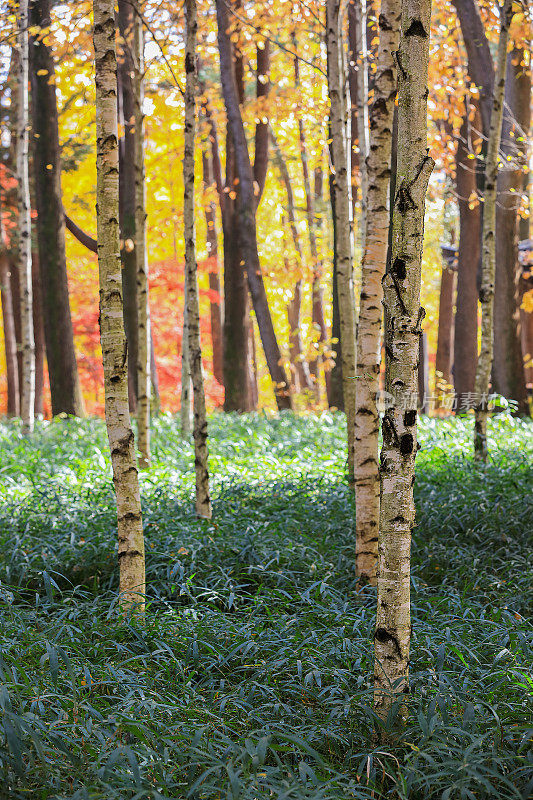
x: 112, y: 336
x: 403, y: 317
x: 203, y: 502
x: 143, y: 312
x: 340, y: 150
x: 374, y: 259
x: 488, y: 269
x: 362, y: 109
x: 27, y: 404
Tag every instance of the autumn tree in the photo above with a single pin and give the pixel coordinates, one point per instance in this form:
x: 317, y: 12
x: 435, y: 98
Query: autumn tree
x: 246, y: 203
x: 112, y: 335
x: 403, y: 318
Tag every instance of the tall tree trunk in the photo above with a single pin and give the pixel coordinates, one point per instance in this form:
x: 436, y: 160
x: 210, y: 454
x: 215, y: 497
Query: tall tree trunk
x: 313, y: 223
x: 444, y: 356
x: 113, y: 338
x: 38, y: 334
x: 293, y: 310
x: 185, y: 401
x: 339, y: 149
x: 318, y: 318
x: 65, y: 389
x: 27, y: 388
x: 486, y: 294
x: 126, y: 71
x: 423, y: 374
x: 236, y: 338
x: 374, y: 261
x: 508, y: 372
x: 465, y: 333
x: 358, y: 74
x: 403, y: 319
x: 143, y: 309
x: 203, y: 501
x: 246, y: 199
x: 213, y: 266
x: 10, y: 340
x: 335, y: 395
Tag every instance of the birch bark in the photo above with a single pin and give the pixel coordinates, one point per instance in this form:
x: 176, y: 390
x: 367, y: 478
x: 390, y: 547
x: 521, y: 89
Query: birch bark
x: 203, y: 502
x: 143, y: 312
x: 374, y: 259
x: 344, y: 263
x: 403, y: 317
x: 27, y: 388
x: 488, y: 269
x: 112, y: 336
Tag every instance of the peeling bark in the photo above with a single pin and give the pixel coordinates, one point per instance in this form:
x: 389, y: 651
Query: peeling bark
x: 486, y: 294
x: 374, y: 260
x: 203, y: 502
x: 403, y: 319
x: 112, y: 336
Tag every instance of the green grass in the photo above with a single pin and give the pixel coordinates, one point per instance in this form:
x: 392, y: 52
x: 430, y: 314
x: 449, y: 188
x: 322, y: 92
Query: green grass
x: 251, y: 677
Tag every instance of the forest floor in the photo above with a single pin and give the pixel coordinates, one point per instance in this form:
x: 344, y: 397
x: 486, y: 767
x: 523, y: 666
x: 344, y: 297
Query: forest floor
x: 251, y: 676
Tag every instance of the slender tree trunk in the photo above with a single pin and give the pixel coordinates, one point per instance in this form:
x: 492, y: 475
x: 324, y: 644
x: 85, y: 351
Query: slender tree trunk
x: 27, y: 405
x: 246, y: 199
x: 186, y: 387
x: 143, y: 310
x: 10, y: 341
x: 335, y: 395
x: 293, y: 310
x: 465, y: 333
x: 126, y: 72
x: 423, y: 374
x: 486, y: 294
x: 374, y: 260
x: 402, y: 336
x: 444, y: 356
x: 113, y: 339
x: 339, y: 149
x: 318, y: 318
x: 65, y: 389
x: 38, y: 334
x: 203, y: 502
x: 357, y: 24
x: 508, y: 372
x: 213, y: 265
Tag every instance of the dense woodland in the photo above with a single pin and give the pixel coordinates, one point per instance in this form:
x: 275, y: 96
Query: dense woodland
x: 256, y: 260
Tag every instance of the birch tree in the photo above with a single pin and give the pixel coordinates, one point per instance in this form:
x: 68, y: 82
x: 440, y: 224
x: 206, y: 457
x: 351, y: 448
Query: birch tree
x: 112, y: 336
x: 403, y: 318
x: 374, y: 259
x: 339, y: 149
x: 27, y: 389
x: 203, y: 502
x: 488, y: 270
x: 143, y: 313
